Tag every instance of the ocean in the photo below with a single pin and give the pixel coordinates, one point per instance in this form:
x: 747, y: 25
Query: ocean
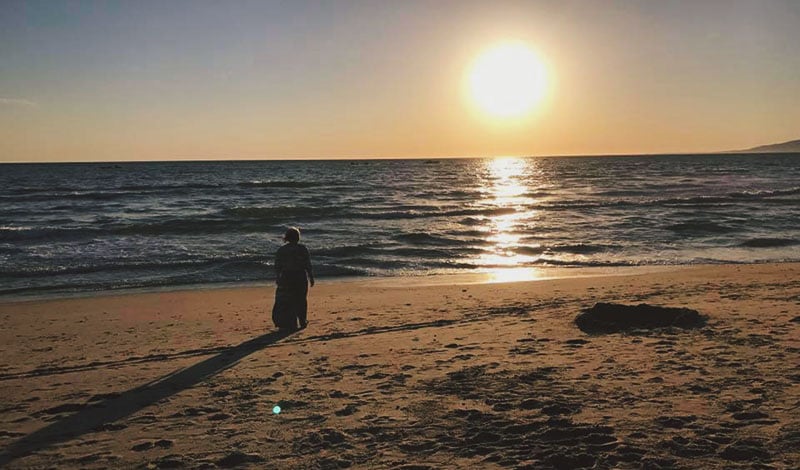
x: 78, y: 227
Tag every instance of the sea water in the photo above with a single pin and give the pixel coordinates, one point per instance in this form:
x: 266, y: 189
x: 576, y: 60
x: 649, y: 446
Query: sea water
x: 100, y: 226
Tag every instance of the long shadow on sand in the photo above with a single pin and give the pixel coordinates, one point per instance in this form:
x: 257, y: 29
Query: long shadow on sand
x: 94, y: 416
x: 96, y: 365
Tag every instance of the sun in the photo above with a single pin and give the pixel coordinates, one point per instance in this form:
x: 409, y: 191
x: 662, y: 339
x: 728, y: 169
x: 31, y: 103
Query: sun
x: 507, y: 80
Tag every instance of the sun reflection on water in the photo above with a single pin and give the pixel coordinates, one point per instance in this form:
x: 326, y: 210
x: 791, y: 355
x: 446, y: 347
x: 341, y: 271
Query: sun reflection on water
x: 514, y: 274
x: 505, y: 188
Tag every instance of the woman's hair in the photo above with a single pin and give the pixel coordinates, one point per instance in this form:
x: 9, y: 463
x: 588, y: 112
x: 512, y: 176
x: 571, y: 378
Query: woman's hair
x: 292, y: 234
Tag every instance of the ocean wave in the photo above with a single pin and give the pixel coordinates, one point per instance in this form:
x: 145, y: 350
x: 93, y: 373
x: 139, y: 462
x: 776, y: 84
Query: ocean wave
x: 488, y: 211
x: 100, y: 193
x: 545, y: 261
x: 54, y: 287
x: 580, y: 248
x: 73, y: 195
x: 530, y: 250
x: 760, y: 194
x: 22, y: 190
x: 537, y: 194
x: 699, y: 227
x: 137, y: 275
x: 695, y: 200
x: 725, y: 198
x: 167, y: 187
x: 623, y: 203
x: 623, y: 192
x: 453, y: 239
x: 131, y: 266
x: 233, y: 220
x: 769, y: 242
x: 472, y: 234
x: 345, y: 251
x: 554, y: 205
x: 472, y: 221
x: 14, y: 228
x: 571, y: 248
x: 416, y: 252
x: 450, y: 265
x: 335, y: 270
x: 352, y: 252
x: 21, y: 234
x: 422, y: 238
x: 585, y: 264
x: 392, y: 215
x: 278, y: 212
x: 169, y: 227
x: 15, y: 211
x: 58, y: 270
x: 404, y: 212
x: 433, y: 213
x: 375, y: 262
x: 458, y: 194
x: 286, y: 184
x: 391, y: 207
x: 71, y: 286
x: 201, y: 225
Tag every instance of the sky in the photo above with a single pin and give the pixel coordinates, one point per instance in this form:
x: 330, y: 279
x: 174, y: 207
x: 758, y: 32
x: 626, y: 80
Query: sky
x: 156, y: 80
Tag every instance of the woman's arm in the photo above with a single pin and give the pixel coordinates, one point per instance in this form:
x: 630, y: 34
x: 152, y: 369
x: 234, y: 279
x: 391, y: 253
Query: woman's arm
x: 278, y: 266
x: 308, y: 269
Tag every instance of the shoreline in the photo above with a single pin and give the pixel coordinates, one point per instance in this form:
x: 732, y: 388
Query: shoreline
x: 496, y: 276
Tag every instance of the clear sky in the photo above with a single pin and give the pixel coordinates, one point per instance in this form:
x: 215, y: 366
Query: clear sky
x: 141, y: 80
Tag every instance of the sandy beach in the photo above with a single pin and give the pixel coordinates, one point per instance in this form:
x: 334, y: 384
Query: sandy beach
x: 458, y: 375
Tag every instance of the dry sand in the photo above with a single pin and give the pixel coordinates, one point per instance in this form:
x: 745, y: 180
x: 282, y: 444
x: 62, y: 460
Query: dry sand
x: 444, y: 376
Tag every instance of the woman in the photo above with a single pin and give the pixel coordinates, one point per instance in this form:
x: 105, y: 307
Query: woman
x: 293, y: 274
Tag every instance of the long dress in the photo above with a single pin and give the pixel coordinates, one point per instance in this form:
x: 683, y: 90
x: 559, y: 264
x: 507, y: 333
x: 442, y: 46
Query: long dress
x: 292, y: 266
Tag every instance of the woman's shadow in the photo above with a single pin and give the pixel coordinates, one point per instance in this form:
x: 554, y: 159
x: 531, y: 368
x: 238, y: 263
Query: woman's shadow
x: 95, y: 416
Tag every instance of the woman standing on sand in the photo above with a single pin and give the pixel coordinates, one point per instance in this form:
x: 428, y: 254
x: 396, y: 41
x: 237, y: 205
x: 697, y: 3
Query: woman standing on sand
x: 293, y: 274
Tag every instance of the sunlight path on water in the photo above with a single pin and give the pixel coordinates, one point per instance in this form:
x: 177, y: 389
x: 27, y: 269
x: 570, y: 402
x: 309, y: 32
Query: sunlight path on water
x: 505, y: 188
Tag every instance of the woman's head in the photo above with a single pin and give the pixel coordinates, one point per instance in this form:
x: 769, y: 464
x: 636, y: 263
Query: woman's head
x: 292, y: 235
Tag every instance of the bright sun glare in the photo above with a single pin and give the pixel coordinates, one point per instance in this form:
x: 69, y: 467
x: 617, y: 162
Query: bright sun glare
x: 508, y: 80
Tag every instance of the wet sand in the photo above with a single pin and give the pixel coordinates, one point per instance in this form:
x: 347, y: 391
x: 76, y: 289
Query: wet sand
x: 455, y: 375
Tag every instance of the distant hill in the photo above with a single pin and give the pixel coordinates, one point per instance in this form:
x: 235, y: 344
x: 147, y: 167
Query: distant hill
x: 793, y: 146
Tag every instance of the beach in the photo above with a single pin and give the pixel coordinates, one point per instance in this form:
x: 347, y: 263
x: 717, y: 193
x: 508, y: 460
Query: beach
x: 417, y: 375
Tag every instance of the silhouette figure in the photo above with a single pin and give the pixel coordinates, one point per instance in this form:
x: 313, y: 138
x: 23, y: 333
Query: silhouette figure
x: 293, y: 275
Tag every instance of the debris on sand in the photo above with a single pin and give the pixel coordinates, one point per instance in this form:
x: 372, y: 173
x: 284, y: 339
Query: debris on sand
x: 610, y: 318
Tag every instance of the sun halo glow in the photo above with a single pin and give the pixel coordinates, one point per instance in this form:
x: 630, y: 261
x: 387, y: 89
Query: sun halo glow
x: 507, y: 81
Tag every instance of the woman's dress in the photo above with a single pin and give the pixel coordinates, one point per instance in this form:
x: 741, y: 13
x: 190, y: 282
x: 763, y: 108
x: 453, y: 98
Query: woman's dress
x: 292, y: 263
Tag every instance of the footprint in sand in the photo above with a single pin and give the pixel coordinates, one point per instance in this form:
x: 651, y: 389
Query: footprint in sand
x: 237, y: 459
x: 675, y: 422
x: 745, y: 450
x: 462, y: 357
x: 348, y: 410
x: 575, y: 343
x: 147, y: 445
x: 219, y: 417
x: 377, y: 376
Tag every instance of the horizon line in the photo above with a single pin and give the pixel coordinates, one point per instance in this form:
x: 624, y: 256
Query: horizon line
x: 359, y: 158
